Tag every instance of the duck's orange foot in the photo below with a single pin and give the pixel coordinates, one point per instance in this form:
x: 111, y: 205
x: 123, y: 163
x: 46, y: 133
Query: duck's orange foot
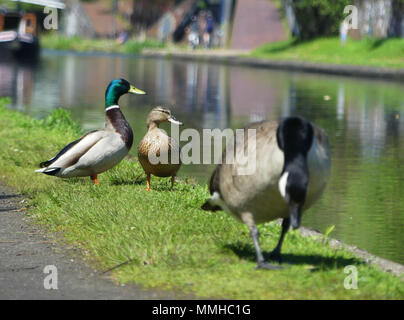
x: 172, y: 183
x: 148, y: 188
x: 94, y: 178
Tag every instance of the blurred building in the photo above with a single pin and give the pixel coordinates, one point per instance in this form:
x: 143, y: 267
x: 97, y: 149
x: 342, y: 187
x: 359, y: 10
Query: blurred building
x: 90, y: 19
x: 256, y: 22
x: 241, y: 24
x: 380, y: 18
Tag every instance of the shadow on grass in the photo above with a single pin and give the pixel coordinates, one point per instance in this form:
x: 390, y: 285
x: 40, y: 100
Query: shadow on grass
x: 247, y: 252
x: 377, y: 43
x: 285, y: 46
x: 133, y: 182
x: 140, y: 182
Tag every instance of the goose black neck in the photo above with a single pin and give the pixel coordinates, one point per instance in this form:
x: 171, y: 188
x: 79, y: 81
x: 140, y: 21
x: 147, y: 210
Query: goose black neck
x: 298, y: 178
x: 295, y: 137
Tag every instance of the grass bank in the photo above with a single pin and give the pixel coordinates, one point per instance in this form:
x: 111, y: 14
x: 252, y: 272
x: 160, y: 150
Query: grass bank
x: 387, y: 53
x: 57, y: 42
x: 171, y: 242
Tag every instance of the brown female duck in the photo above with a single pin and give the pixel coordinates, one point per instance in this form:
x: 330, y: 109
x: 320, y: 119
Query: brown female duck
x: 158, y: 153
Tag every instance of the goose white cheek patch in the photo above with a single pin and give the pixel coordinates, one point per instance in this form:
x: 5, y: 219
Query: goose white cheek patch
x: 282, y: 184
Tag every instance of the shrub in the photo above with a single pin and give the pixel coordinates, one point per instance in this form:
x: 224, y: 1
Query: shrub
x: 319, y: 17
x: 60, y: 119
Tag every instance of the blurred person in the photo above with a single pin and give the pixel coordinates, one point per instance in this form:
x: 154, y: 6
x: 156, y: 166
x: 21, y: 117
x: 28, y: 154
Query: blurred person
x: 122, y: 37
x: 343, y: 32
x: 193, y: 34
x: 208, y: 30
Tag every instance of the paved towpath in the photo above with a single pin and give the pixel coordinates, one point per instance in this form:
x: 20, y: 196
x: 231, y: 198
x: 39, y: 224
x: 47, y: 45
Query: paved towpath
x: 25, y: 251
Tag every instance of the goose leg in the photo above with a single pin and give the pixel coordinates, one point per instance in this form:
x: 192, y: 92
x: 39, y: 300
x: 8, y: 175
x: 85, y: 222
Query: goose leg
x: 172, y: 182
x: 148, y: 182
x: 276, y: 253
x: 95, y: 179
x: 261, y: 263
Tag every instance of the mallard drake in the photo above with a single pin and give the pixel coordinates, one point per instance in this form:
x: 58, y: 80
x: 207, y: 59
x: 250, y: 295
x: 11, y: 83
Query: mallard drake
x: 157, y: 143
x: 292, y: 169
x: 98, y: 150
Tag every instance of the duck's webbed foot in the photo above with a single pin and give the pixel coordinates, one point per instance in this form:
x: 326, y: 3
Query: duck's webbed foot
x: 172, y: 183
x: 94, y: 178
x: 148, y: 188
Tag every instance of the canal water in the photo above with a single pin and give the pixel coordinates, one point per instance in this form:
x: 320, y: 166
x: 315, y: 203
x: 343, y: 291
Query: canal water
x: 364, y: 120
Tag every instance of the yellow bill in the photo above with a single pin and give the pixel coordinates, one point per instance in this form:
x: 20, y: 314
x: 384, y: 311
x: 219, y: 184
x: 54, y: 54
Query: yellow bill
x: 136, y: 90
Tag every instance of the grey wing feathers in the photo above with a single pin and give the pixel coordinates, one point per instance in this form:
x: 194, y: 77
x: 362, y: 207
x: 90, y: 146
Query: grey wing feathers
x: 63, y: 151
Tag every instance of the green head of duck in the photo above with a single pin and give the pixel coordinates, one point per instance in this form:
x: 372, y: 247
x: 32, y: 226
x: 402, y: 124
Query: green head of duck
x: 116, y: 89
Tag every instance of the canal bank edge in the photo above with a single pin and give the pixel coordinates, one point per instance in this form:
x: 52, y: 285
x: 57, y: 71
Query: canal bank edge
x: 240, y: 58
x: 383, y: 264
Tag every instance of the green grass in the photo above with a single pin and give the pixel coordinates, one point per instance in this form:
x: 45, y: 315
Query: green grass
x: 57, y: 42
x: 171, y: 242
x: 388, y: 53
x: 366, y: 52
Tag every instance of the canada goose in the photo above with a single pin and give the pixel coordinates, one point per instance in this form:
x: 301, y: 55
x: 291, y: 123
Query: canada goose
x: 98, y: 150
x: 292, y: 168
x: 157, y: 142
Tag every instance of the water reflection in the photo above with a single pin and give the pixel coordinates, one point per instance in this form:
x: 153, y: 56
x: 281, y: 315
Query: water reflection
x: 17, y: 81
x: 364, y: 120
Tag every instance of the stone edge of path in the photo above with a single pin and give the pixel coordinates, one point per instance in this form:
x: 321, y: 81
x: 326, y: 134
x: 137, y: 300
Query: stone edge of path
x: 240, y: 58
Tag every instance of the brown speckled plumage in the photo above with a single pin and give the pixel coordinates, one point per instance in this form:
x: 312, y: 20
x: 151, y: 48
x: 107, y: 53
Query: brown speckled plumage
x: 157, y: 143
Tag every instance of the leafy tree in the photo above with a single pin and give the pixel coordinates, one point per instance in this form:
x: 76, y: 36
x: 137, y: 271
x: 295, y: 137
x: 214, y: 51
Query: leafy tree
x: 319, y: 17
x: 147, y: 12
x: 397, y: 8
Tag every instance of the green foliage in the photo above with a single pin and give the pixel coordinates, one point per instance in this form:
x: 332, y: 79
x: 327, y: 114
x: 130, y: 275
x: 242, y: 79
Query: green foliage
x: 57, y: 42
x: 328, y: 232
x: 60, y: 119
x: 319, y: 17
x: 133, y: 47
x: 4, y: 101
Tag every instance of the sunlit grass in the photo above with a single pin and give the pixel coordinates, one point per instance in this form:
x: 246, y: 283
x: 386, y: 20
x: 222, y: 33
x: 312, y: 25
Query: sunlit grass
x: 170, y: 242
x: 58, y: 42
x: 387, y: 52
